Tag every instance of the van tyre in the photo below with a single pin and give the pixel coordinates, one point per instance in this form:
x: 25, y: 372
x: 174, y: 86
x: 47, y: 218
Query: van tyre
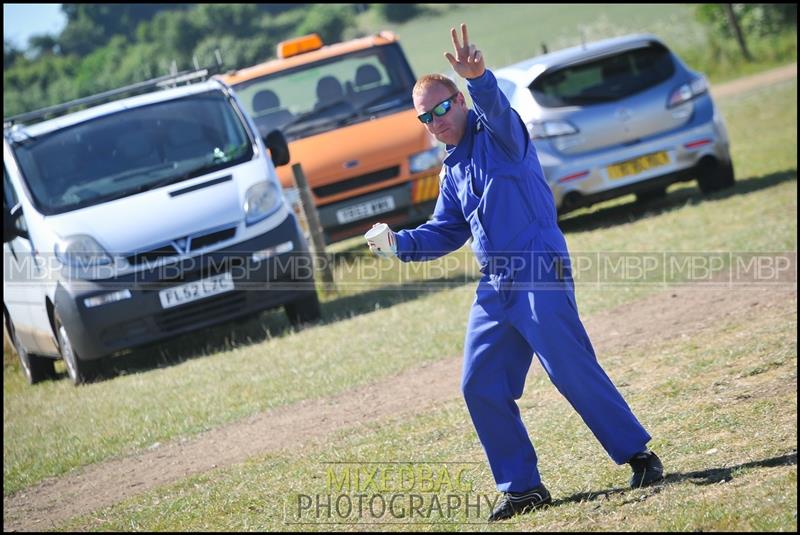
x: 715, y: 176
x: 79, y: 371
x: 305, y: 310
x: 35, y: 368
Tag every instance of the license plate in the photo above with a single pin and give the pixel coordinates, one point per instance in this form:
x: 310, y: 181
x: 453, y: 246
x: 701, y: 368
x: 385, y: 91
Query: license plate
x: 637, y: 165
x: 192, y: 291
x: 365, y: 209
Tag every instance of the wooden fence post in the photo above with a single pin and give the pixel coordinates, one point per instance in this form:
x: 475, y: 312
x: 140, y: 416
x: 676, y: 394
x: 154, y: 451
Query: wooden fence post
x: 314, y: 228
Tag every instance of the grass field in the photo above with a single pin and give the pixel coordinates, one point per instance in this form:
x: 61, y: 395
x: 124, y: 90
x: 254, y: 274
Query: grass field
x: 725, y: 453
x: 231, y: 372
x: 525, y: 27
x: 425, y: 39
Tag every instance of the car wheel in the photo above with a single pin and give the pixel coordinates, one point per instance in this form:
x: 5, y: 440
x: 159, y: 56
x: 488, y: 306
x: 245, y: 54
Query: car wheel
x: 715, y: 176
x: 651, y: 195
x: 79, y: 371
x: 728, y: 179
x: 305, y: 310
x: 35, y: 368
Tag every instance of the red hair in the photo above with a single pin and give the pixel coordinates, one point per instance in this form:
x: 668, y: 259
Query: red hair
x: 431, y: 79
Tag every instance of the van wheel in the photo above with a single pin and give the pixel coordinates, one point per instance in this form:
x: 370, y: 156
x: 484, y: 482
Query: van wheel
x: 35, y: 368
x: 715, y: 176
x: 305, y: 310
x: 79, y: 371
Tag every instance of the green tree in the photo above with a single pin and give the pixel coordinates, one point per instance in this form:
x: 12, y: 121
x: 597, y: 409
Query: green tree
x: 176, y: 33
x: 10, y: 53
x: 397, y: 13
x: 229, y: 19
x: 80, y: 37
x: 756, y: 20
x: 105, y: 46
x: 95, y: 73
x: 42, y: 44
x: 236, y: 53
x: 32, y: 84
x: 113, y: 19
x: 328, y: 20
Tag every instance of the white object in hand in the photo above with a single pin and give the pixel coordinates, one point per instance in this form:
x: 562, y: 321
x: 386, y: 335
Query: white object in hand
x: 381, y: 240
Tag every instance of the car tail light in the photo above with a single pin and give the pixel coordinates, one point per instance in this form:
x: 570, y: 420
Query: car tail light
x: 697, y: 143
x: 688, y: 91
x: 548, y: 129
x: 573, y: 176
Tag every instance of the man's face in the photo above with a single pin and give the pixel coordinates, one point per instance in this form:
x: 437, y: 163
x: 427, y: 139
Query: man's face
x: 449, y: 128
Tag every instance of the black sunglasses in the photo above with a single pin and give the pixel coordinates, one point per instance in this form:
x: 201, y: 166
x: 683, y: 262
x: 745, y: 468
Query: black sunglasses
x: 440, y: 109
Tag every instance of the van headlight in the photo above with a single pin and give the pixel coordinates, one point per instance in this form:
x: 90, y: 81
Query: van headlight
x: 82, y: 251
x: 260, y: 201
x: 426, y: 159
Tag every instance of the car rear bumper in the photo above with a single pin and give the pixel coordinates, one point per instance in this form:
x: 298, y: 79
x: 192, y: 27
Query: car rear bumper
x: 586, y: 179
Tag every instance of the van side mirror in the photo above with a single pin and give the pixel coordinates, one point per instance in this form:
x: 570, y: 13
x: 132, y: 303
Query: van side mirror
x: 278, y: 147
x: 9, y: 229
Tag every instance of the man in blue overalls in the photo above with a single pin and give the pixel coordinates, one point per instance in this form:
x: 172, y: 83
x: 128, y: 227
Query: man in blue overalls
x: 492, y: 189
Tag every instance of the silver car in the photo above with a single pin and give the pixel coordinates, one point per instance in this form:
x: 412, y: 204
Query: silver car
x: 618, y: 116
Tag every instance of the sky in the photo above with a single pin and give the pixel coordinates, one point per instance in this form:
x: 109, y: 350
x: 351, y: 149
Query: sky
x: 20, y: 21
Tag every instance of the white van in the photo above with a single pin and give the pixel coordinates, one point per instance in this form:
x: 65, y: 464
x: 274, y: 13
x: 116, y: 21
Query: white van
x: 141, y: 218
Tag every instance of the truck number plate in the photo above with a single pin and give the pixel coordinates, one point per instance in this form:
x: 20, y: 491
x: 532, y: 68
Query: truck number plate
x: 365, y: 209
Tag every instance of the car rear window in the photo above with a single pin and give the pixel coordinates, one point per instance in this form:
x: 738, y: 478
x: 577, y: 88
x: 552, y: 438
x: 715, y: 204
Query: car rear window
x: 604, y: 79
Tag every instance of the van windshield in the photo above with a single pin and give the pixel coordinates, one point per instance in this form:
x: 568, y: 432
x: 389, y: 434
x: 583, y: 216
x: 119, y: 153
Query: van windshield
x: 330, y: 93
x: 132, y: 151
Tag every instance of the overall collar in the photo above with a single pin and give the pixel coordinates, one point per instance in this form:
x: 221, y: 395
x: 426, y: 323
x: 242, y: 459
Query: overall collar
x: 460, y: 152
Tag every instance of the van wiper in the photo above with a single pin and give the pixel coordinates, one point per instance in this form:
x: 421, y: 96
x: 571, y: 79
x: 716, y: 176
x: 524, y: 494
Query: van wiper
x: 137, y: 172
x: 158, y: 184
x: 303, y: 117
x: 197, y: 171
x: 219, y: 160
x: 372, y: 103
x: 380, y: 98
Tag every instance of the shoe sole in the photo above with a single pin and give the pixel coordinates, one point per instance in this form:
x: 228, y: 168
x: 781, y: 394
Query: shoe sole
x: 648, y: 483
x: 525, y: 510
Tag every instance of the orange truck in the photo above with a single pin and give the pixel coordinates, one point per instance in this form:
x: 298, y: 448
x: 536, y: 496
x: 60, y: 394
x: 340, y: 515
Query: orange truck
x: 347, y: 113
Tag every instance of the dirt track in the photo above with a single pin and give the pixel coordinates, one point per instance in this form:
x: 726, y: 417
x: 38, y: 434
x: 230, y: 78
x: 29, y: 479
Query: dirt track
x: 750, y: 82
x: 661, y: 317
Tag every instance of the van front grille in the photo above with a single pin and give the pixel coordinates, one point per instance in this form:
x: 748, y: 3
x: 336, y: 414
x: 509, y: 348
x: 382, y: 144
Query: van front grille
x: 357, y: 182
x: 181, y: 246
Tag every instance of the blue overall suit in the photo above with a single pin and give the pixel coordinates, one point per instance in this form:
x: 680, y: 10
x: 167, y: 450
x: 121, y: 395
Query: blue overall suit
x: 492, y: 188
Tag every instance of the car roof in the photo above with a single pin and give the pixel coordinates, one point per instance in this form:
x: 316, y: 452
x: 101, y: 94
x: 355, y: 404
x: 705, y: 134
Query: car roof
x: 115, y: 106
x: 527, y: 70
x: 327, y: 51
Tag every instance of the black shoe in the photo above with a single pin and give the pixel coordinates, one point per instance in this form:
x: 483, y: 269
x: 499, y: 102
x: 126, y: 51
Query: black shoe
x: 516, y: 503
x: 647, y: 469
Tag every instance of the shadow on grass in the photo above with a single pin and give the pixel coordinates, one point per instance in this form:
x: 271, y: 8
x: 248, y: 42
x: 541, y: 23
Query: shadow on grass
x: 710, y: 476
x: 686, y: 196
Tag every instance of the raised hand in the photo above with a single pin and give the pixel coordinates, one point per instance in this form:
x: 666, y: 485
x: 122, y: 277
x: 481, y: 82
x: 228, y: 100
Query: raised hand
x: 468, y: 61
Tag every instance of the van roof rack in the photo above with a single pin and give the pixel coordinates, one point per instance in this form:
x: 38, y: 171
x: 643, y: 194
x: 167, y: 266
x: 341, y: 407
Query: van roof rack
x: 169, y: 80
